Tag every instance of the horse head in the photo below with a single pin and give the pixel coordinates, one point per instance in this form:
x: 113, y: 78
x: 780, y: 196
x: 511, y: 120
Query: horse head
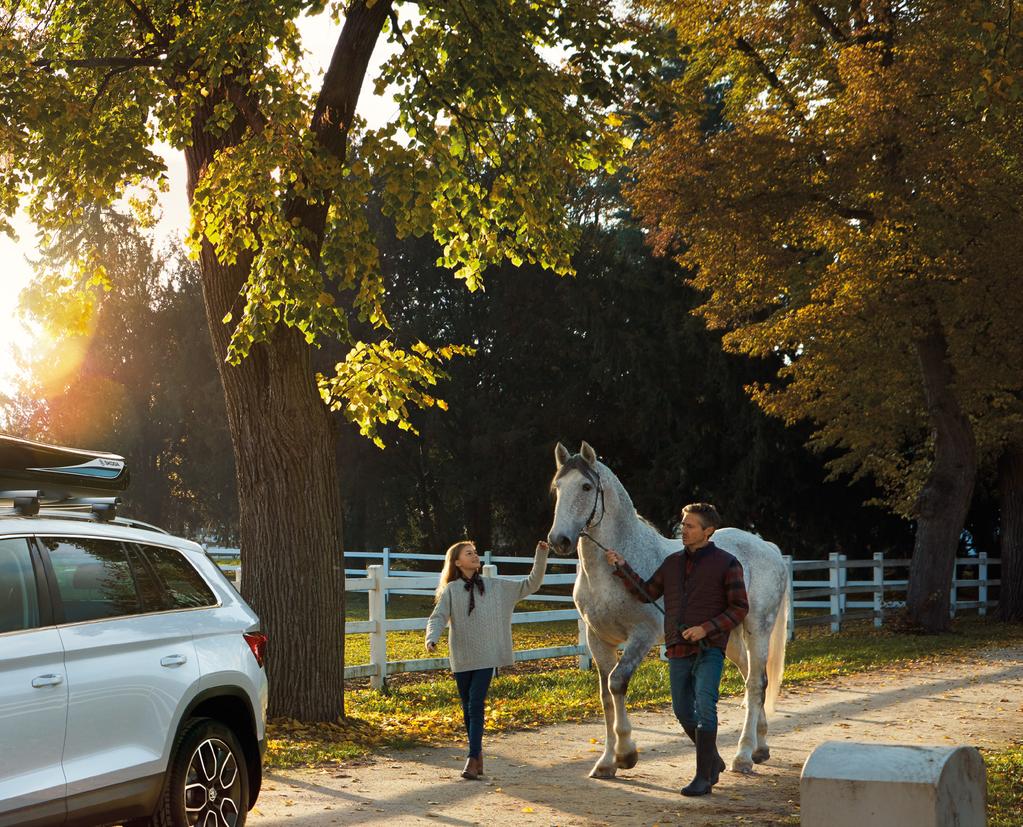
x: 579, y: 494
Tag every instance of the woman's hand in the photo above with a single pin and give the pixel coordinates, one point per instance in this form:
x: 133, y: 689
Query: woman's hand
x: 613, y: 557
x: 542, y: 546
x: 431, y: 647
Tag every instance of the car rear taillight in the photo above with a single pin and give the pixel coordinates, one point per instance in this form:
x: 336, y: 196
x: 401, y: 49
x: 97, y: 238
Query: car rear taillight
x: 257, y: 643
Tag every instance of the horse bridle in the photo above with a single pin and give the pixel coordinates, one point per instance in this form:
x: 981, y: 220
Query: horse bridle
x: 598, y: 497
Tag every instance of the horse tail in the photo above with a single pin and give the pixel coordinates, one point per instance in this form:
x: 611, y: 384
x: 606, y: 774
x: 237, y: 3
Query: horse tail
x: 776, y: 652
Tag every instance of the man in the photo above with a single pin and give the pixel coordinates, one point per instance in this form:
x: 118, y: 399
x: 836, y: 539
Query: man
x: 704, y: 599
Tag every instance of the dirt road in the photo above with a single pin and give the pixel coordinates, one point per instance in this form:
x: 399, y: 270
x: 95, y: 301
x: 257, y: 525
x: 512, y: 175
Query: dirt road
x: 540, y: 777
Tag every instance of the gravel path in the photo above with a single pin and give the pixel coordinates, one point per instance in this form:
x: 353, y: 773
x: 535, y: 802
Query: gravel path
x: 540, y: 777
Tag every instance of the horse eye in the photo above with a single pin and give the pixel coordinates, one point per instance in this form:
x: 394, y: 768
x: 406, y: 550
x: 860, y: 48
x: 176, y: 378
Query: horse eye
x: 587, y: 487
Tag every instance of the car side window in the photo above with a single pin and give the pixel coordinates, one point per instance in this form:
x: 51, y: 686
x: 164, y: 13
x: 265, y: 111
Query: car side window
x: 184, y: 585
x: 19, y: 601
x: 94, y: 579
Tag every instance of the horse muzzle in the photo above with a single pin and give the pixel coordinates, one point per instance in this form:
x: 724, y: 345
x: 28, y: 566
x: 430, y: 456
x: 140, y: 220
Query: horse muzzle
x: 561, y: 544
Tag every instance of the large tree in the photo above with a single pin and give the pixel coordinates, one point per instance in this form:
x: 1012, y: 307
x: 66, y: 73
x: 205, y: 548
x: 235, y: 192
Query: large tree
x: 855, y: 211
x: 500, y: 105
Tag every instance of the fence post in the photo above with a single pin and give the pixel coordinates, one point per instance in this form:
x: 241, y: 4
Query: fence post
x: 387, y: 573
x: 489, y: 570
x: 953, y: 592
x: 486, y: 557
x: 585, y: 661
x: 878, y: 589
x: 378, y: 637
x: 791, y: 619
x: 843, y: 582
x: 982, y: 583
x: 833, y: 583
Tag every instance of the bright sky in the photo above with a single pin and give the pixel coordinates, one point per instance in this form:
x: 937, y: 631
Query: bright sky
x: 319, y: 36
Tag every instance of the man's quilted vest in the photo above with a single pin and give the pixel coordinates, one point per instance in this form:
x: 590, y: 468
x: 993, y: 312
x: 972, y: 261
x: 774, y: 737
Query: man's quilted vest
x: 703, y: 596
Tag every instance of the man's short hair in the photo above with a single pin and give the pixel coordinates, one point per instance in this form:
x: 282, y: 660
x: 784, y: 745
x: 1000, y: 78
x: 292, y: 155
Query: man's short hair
x: 707, y: 514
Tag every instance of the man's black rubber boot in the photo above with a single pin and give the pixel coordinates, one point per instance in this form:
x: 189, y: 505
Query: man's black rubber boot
x: 706, y: 758
x: 718, y: 766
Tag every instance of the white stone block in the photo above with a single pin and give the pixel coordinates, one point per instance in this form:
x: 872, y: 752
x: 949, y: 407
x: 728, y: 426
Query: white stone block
x: 847, y: 784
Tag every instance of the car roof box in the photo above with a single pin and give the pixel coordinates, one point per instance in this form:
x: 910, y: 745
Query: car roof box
x: 58, y: 473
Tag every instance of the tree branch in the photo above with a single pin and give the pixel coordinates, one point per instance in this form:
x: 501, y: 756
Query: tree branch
x: 769, y: 74
x: 829, y: 25
x: 144, y: 18
x: 99, y: 62
x: 337, y: 101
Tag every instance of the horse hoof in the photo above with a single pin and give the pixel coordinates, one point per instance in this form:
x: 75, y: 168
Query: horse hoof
x: 761, y: 755
x: 627, y: 762
x: 603, y: 772
x: 743, y: 765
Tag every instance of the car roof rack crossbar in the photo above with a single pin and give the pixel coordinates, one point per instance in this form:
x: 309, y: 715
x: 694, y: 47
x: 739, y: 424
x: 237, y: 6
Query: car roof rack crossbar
x: 25, y: 503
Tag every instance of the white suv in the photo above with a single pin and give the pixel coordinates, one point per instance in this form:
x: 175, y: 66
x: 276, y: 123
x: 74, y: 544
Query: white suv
x: 132, y: 686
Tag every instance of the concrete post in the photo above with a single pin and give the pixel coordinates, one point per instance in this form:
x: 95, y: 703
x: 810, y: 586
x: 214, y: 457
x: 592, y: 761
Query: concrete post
x: 846, y: 784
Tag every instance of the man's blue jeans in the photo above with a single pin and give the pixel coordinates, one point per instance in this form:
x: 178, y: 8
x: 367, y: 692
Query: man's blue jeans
x: 694, y: 687
x: 472, y: 687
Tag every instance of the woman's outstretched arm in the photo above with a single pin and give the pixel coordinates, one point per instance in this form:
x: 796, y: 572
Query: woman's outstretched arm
x: 532, y: 583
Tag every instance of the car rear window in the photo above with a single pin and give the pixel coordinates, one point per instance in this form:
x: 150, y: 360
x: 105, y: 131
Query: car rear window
x: 19, y: 602
x: 94, y: 579
x: 185, y: 587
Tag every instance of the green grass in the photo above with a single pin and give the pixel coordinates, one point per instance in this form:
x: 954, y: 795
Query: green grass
x: 421, y: 707
x: 1005, y: 786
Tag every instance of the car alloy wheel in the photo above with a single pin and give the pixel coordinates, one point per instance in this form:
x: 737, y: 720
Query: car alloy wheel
x: 213, y: 786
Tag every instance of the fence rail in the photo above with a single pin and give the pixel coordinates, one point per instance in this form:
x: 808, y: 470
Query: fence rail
x: 831, y: 600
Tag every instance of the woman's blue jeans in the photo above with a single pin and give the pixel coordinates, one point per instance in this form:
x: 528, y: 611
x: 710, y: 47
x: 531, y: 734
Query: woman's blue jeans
x: 472, y: 687
x: 694, y: 687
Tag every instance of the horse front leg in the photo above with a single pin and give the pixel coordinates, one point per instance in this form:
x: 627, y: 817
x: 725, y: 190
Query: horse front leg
x: 605, y: 656
x: 753, y: 747
x: 636, y: 648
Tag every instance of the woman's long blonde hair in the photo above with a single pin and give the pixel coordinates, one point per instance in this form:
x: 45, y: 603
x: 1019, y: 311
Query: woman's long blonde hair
x: 450, y: 571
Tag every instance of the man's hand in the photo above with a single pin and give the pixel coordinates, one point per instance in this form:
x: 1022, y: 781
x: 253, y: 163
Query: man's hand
x: 431, y: 646
x: 613, y: 557
x: 694, y: 633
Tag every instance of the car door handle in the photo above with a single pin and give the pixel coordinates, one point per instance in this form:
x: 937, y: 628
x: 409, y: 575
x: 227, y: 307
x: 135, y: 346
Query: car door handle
x: 47, y: 680
x: 173, y: 660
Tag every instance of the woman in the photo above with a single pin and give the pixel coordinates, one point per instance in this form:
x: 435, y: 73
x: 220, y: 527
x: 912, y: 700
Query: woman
x: 479, y: 612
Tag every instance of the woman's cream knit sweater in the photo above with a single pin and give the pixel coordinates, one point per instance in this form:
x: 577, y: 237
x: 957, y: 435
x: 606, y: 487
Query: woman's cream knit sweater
x: 482, y: 640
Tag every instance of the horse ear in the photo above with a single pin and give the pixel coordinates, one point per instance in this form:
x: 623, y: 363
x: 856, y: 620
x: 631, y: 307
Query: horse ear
x: 588, y: 453
x: 561, y: 454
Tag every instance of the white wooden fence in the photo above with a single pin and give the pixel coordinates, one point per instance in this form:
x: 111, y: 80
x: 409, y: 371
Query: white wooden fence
x: 832, y: 599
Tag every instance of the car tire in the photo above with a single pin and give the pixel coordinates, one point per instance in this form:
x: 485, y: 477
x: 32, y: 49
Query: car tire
x: 207, y: 776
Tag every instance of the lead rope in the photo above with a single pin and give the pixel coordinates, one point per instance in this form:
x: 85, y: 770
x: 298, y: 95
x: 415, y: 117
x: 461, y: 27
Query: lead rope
x: 626, y: 572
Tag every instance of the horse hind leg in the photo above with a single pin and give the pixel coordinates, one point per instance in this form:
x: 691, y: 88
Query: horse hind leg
x: 605, y: 657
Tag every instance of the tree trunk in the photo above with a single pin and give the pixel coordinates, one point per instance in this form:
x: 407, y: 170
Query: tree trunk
x: 1010, y: 498
x: 289, y: 504
x: 945, y: 498
x: 290, y: 525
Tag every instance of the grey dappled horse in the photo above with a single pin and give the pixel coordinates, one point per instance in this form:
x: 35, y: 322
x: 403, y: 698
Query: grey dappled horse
x: 592, y: 503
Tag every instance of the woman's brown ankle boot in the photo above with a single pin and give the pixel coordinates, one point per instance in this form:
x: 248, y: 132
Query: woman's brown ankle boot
x: 470, y: 772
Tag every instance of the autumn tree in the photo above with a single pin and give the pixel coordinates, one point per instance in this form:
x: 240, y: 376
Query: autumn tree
x: 855, y: 211
x: 499, y: 105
